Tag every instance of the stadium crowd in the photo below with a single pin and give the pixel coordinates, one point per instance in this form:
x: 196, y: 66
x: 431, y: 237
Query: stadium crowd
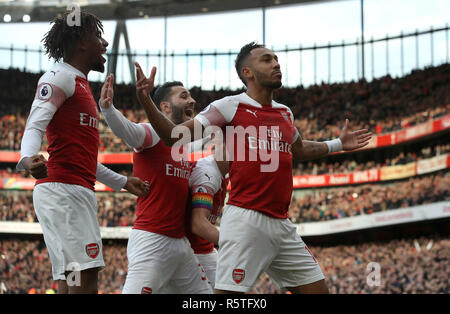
x: 117, y: 209
x: 318, y: 167
x: 382, y: 105
x: 366, y: 199
x: 351, y: 165
x: 406, y: 266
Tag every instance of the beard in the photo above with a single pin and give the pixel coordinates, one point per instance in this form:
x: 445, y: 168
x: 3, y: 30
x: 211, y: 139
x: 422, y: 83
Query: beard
x: 267, y: 82
x: 98, y: 66
x: 177, y: 115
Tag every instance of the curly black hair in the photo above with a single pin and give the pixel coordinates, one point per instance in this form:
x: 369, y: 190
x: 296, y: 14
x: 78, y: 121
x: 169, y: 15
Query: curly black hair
x: 60, y: 41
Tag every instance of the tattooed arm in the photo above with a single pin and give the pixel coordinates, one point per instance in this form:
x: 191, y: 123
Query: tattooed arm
x: 348, y: 140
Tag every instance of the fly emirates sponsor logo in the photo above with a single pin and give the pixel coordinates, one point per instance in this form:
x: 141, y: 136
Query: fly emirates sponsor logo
x: 183, y: 173
x: 273, y: 142
x: 88, y: 120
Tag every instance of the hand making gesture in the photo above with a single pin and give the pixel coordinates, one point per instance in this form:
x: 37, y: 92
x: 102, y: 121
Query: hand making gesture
x: 144, y: 85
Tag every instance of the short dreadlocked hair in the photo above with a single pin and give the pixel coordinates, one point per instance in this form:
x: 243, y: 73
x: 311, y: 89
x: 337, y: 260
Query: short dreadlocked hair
x: 60, y: 41
x: 243, y: 55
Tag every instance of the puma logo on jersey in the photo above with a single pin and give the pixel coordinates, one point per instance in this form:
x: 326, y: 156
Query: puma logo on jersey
x: 206, y: 175
x: 54, y: 72
x: 84, y: 87
x: 252, y: 112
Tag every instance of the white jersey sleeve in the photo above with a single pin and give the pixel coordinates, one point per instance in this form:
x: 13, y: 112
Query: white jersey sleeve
x: 219, y: 113
x: 54, y: 87
x: 205, y: 175
x: 110, y: 178
x: 136, y: 135
x: 295, y: 131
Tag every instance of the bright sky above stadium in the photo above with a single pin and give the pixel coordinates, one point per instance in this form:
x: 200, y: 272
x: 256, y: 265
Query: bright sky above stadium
x: 286, y: 26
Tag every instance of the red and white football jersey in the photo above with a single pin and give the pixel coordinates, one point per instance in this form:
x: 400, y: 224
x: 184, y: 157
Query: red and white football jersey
x: 259, y: 137
x: 65, y: 108
x: 162, y: 210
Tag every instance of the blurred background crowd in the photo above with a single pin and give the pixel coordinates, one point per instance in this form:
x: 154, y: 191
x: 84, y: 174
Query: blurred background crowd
x: 418, y: 265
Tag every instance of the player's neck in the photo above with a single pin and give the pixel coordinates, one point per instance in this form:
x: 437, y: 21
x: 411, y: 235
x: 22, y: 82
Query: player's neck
x: 80, y: 66
x: 262, y: 95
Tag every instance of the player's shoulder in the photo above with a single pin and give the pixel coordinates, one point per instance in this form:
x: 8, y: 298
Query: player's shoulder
x: 279, y: 106
x: 283, y: 108
x: 151, y: 137
x: 232, y: 100
x: 206, y: 173
x: 62, y: 76
x: 206, y: 161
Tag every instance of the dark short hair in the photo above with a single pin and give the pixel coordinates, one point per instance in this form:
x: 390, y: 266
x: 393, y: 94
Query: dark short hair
x: 60, y: 41
x: 163, y: 92
x: 243, y: 55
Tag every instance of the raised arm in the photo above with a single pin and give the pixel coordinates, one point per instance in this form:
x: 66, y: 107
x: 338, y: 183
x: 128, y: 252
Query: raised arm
x: 135, y: 135
x: 347, y: 141
x: 166, y: 129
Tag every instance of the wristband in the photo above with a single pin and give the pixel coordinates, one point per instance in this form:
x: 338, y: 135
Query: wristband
x: 334, y: 145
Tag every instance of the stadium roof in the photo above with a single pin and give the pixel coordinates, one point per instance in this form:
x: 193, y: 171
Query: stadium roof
x: 44, y: 11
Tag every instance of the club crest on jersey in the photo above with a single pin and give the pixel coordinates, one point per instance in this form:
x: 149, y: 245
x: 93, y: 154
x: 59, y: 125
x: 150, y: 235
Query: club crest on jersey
x: 146, y: 290
x: 92, y: 250
x: 238, y: 275
x: 45, y: 92
x: 285, y: 116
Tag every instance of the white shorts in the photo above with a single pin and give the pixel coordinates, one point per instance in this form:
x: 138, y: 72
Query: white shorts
x: 209, y: 264
x: 251, y: 243
x: 158, y: 264
x: 67, y: 214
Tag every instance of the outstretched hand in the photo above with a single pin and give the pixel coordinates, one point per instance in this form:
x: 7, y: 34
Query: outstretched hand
x: 144, y: 85
x: 107, y: 92
x: 354, y: 140
x: 136, y: 186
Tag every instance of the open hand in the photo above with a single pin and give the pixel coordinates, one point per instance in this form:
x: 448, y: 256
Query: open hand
x: 136, y: 186
x: 107, y: 92
x: 354, y: 140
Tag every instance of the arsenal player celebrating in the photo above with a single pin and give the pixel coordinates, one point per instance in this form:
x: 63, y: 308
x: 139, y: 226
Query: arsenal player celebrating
x: 255, y: 233
x: 64, y: 197
x: 160, y: 258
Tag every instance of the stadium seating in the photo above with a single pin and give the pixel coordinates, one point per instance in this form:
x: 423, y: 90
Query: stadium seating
x: 385, y: 105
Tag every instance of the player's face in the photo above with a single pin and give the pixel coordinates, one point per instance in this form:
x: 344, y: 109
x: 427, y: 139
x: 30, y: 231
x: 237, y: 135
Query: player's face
x: 97, y: 48
x: 265, y: 67
x: 182, y: 105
